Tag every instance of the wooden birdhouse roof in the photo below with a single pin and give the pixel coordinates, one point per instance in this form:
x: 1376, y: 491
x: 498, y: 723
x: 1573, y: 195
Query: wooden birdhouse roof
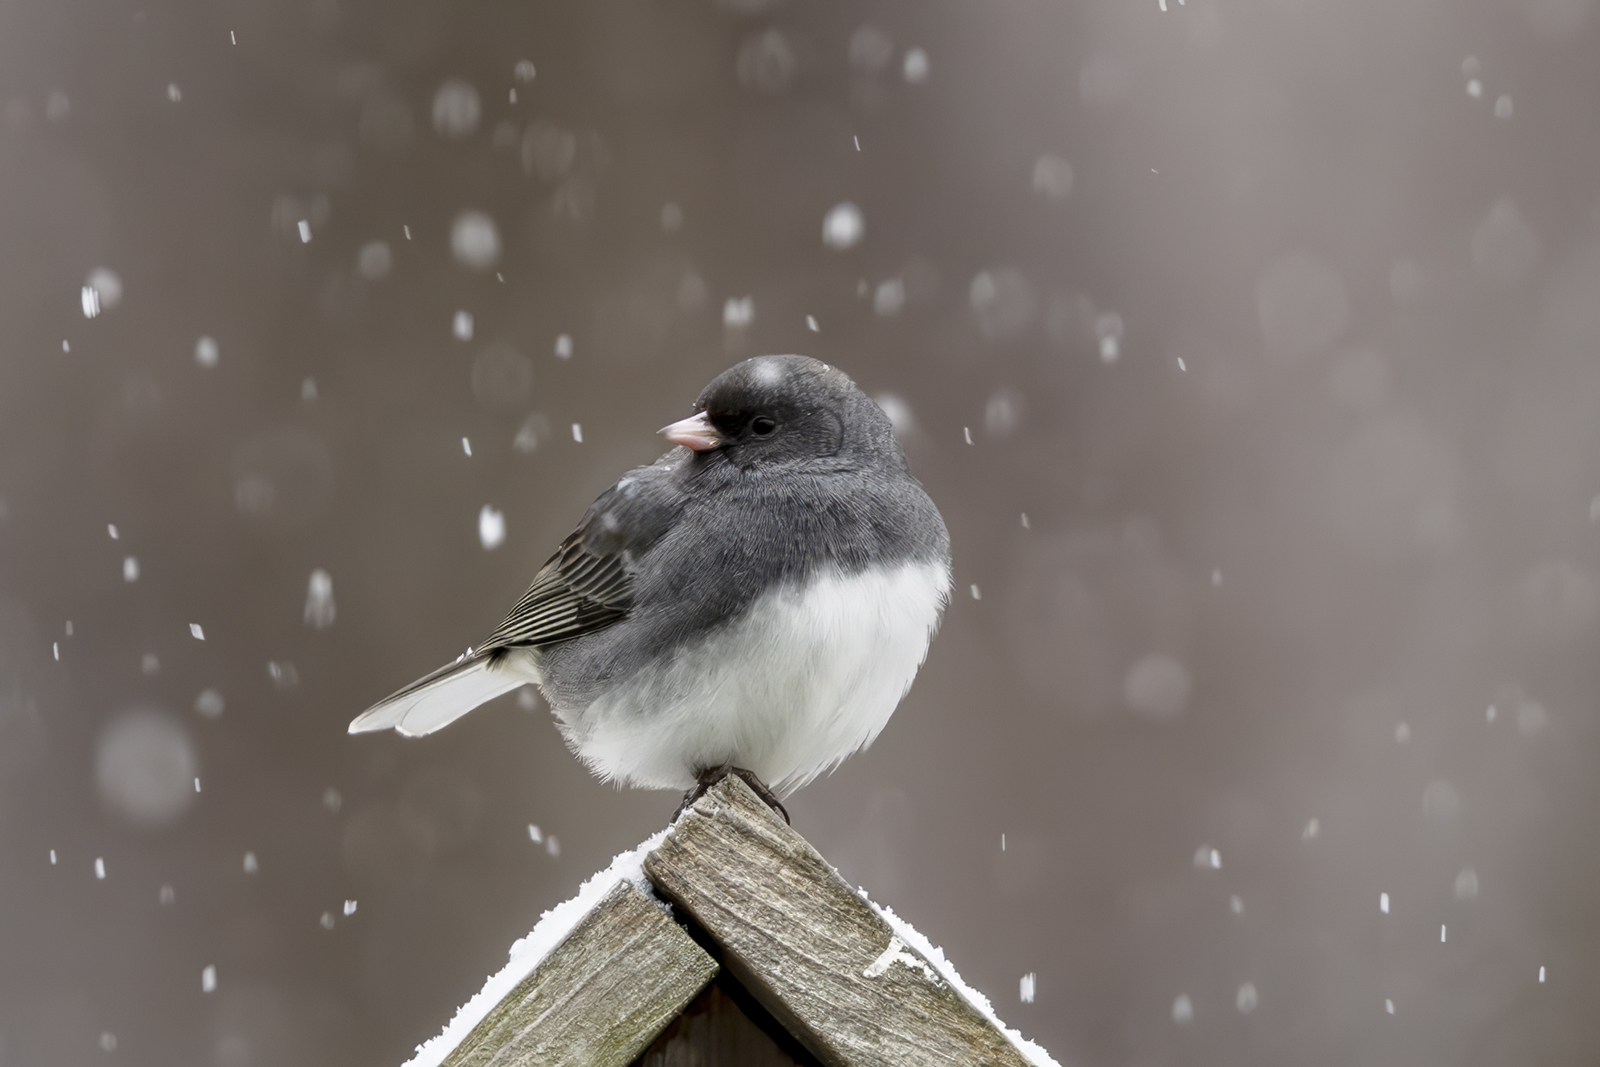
x: 725, y: 931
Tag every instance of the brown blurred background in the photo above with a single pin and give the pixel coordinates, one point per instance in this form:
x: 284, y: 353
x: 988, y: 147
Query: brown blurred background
x: 1275, y: 327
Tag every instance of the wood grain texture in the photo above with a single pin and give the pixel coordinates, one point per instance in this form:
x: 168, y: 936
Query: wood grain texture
x: 808, y: 947
x: 600, y: 997
x: 714, y: 1031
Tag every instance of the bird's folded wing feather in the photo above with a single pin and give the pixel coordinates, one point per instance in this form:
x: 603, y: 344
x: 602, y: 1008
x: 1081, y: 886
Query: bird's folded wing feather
x: 573, y: 594
x: 587, y: 584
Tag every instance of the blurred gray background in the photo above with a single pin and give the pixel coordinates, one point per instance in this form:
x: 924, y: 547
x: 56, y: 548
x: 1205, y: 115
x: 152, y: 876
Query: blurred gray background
x: 1251, y: 349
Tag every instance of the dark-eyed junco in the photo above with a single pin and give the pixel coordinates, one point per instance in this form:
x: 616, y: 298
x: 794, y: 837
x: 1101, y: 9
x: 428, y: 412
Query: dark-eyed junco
x: 758, y: 599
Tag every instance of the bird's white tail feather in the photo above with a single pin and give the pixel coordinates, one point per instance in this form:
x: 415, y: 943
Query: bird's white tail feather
x: 437, y: 700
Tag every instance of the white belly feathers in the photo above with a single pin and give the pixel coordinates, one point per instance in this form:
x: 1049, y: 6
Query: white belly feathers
x: 810, y: 675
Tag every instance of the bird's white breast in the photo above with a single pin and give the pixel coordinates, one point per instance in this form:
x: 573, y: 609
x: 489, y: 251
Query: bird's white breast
x: 808, y: 676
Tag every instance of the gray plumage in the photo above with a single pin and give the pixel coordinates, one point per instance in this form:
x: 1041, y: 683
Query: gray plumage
x: 805, y: 488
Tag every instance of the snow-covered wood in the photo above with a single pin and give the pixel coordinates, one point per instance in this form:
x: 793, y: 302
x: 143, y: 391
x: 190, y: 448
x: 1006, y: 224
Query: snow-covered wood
x: 600, y: 997
x: 529, y: 952
x: 604, y: 973
x: 813, y: 950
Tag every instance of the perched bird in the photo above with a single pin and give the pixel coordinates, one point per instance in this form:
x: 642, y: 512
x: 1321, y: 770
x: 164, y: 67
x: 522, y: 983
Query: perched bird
x: 756, y: 601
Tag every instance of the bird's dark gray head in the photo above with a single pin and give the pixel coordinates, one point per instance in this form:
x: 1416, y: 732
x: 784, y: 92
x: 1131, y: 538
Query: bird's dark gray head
x: 780, y: 410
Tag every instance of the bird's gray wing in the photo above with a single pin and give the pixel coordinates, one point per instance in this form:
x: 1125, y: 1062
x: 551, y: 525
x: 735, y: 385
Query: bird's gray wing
x: 575, y: 593
x: 588, y: 584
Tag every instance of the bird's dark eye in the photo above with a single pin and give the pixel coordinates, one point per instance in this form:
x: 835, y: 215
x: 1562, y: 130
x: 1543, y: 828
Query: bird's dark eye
x: 762, y: 426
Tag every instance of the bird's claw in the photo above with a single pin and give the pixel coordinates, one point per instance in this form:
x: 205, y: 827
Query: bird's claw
x: 711, y: 776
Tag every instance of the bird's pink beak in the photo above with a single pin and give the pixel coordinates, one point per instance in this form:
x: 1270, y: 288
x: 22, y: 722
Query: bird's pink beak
x: 695, y: 433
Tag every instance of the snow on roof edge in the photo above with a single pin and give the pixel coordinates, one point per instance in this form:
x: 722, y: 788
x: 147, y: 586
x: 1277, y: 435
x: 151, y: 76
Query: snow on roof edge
x: 528, y: 952
x: 911, y: 936
x: 554, y: 926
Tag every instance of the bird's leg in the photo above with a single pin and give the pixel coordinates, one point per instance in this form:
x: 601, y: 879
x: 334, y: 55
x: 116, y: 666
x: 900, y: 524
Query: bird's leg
x: 704, y: 779
x: 710, y: 776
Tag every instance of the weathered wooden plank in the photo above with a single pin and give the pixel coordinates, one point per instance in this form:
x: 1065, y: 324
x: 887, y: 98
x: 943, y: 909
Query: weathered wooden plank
x: 809, y: 948
x: 714, y: 1031
x: 600, y: 997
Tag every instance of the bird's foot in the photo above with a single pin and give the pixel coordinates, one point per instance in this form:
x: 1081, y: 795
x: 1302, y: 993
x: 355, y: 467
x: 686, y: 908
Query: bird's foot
x: 712, y: 775
x: 761, y: 791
